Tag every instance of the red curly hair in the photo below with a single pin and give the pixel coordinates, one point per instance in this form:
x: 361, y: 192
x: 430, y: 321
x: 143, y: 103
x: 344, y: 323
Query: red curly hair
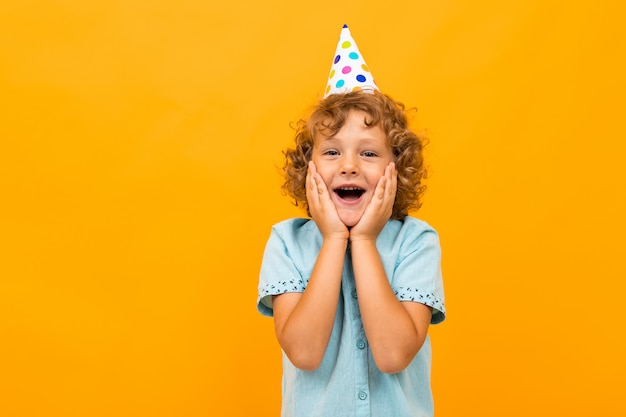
x: 327, y: 118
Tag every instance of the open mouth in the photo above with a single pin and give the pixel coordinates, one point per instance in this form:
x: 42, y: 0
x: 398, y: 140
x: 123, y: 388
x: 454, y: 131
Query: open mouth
x: 349, y: 193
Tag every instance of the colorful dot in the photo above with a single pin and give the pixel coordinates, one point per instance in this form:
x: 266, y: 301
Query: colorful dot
x: 365, y: 68
x: 353, y: 55
x: 346, y: 44
x: 332, y: 74
x: 357, y: 88
x: 327, y: 88
x: 340, y: 83
x: 337, y: 58
x: 360, y: 78
x: 346, y: 69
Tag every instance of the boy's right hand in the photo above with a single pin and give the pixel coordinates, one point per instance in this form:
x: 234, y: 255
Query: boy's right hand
x: 323, y: 210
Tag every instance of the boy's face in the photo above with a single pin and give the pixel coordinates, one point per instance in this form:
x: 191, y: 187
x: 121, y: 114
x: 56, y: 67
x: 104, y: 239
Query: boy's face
x: 351, y: 163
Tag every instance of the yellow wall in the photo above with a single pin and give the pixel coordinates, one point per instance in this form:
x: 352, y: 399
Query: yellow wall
x: 139, y: 141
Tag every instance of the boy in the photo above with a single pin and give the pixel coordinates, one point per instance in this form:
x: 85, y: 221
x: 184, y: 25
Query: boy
x: 353, y: 290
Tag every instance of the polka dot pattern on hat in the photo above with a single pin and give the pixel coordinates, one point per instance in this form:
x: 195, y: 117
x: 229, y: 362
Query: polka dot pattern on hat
x: 348, y: 71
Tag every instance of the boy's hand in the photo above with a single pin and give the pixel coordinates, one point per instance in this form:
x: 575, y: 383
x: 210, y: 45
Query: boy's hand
x: 322, y: 209
x: 380, y: 208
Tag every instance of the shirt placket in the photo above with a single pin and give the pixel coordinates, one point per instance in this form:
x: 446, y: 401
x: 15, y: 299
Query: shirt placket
x: 360, y: 345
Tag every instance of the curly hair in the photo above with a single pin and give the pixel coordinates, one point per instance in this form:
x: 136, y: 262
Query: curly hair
x: 327, y: 118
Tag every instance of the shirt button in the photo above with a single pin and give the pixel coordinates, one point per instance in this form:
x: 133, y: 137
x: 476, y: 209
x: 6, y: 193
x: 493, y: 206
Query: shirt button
x: 360, y: 344
x: 354, y: 294
x: 362, y: 395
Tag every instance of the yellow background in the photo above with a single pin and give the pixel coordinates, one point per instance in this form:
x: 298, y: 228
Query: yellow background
x: 139, y: 146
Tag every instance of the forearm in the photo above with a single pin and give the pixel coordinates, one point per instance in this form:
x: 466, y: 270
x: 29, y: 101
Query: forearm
x: 391, y: 332
x: 304, y: 327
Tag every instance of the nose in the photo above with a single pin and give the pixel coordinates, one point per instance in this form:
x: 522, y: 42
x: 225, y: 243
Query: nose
x: 349, y: 165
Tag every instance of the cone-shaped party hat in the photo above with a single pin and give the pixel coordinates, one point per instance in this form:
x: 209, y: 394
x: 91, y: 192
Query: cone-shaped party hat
x: 349, y: 71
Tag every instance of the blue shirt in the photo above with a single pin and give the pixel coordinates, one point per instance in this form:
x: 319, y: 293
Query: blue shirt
x: 347, y: 382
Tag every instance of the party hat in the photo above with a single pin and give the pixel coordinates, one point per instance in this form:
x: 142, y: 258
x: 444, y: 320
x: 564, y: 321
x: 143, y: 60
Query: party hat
x: 349, y: 71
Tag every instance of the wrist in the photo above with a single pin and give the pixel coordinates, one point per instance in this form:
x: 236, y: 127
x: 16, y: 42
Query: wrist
x: 337, y: 237
x: 336, y: 243
x: 362, y: 239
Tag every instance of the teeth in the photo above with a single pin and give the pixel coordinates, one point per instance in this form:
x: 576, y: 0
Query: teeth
x: 349, y: 188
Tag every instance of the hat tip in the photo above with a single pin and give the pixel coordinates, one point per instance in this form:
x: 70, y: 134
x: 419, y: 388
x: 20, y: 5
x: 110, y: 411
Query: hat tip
x: 345, y: 26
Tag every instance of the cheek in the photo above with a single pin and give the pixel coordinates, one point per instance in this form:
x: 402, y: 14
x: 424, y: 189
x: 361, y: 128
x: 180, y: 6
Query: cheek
x: 323, y: 168
x: 326, y: 176
x: 375, y: 174
x: 316, y: 159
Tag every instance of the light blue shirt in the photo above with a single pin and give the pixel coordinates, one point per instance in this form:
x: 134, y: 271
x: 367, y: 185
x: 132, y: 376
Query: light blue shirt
x: 347, y: 382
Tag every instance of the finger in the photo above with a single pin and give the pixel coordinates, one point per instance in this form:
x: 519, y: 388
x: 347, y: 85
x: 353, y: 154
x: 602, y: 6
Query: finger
x: 316, y: 178
x: 379, y: 191
x: 319, y: 183
x: 390, y: 180
x: 393, y: 180
x: 311, y: 184
x: 387, y: 182
x: 388, y: 187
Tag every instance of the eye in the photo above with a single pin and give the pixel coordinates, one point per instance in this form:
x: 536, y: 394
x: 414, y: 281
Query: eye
x: 369, y: 154
x: 331, y: 152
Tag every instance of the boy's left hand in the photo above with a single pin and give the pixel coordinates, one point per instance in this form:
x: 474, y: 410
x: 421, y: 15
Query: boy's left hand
x: 380, y: 208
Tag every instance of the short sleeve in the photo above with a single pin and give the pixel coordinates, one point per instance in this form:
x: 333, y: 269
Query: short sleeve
x: 278, y: 275
x: 417, y: 275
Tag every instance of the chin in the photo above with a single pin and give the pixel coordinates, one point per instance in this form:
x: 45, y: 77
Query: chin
x: 350, y: 219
